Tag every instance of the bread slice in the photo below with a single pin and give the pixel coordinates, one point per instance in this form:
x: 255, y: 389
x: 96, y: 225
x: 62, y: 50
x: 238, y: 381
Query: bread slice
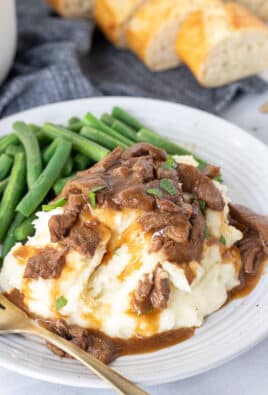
x: 258, y: 7
x: 223, y: 44
x: 151, y: 32
x: 72, y: 8
x: 112, y: 17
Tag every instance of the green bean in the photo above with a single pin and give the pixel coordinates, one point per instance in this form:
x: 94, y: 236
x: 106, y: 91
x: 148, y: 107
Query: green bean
x: 108, y: 119
x: 60, y: 184
x: 13, y: 150
x: 100, y: 137
x: 75, y: 124
x: 58, y: 203
x: 10, y: 239
x: 25, y: 229
x: 73, y: 120
x: 13, y: 193
x: 46, y: 180
x: 124, y: 130
x: 42, y: 138
x: 3, y: 185
x: 125, y: 117
x: 35, y: 128
x: 5, y: 165
x: 8, y: 140
x: 80, y: 143
x: 82, y: 162
x: 68, y: 167
x: 33, y: 156
x: 94, y: 122
x: 50, y: 150
x: 148, y: 136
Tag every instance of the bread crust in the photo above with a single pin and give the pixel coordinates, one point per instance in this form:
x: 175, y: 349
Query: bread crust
x: 79, y: 9
x: 112, y: 15
x: 152, y: 20
x: 204, y: 30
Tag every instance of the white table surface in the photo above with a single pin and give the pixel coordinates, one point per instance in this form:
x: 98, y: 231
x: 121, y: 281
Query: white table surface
x: 246, y: 375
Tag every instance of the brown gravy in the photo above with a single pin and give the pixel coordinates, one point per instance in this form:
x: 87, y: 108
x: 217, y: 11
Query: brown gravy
x: 141, y: 345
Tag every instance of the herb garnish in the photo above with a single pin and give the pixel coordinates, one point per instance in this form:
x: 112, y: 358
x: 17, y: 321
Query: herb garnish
x: 223, y: 240
x: 92, y: 195
x: 155, y: 191
x: 169, y: 164
x: 207, y: 234
x: 202, y: 164
x: 202, y: 205
x: 168, y: 186
x: 59, y: 203
x: 218, y: 178
x: 60, y: 303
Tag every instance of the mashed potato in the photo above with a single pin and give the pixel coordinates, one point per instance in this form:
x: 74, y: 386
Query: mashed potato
x: 98, y: 290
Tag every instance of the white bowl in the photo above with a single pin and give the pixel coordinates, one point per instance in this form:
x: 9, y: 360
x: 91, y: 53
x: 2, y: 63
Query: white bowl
x: 225, y: 334
x: 8, y: 36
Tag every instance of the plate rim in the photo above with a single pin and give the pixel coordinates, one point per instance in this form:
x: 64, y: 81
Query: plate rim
x: 112, y: 100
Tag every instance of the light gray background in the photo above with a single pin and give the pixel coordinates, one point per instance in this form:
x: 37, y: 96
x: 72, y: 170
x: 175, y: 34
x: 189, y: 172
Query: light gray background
x: 246, y: 375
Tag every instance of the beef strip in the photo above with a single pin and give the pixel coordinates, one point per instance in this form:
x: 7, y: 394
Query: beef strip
x: 201, y: 186
x: 142, y: 149
x: 85, y: 183
x: 96, y: 344
x: 161, y: 289
x: 75, y: 202
x: 84, y: 238
x: 211, y: 171
x: 152, y: 292
x: 155, y: 221
x: 251, y: 251
x: 47, y: 264
x: 251, y: 220
x: 105, y: 164
x: 167, y: 173
x: 134, y: 197
x: 60, y: 225
x: 192, y: 248
x: 254, y: 245
x: 141, y: 300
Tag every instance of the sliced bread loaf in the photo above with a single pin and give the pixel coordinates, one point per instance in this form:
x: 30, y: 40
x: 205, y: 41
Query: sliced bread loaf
x: 72, y: 8
x: 152, y: 31
x: 223, y: 44
x: 259, y: 7
x: 112, y: 17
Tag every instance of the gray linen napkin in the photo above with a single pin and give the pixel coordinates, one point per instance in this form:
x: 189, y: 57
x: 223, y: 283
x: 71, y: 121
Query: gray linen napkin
x: 58, y: 60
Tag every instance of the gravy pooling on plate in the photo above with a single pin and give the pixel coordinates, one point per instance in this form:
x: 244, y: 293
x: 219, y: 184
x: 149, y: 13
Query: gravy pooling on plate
x: 144, y: 249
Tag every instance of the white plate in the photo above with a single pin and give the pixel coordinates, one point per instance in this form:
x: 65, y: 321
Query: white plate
x: 227, y: 333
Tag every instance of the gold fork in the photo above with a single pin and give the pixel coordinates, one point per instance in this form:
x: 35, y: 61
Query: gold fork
x: 14, y: 320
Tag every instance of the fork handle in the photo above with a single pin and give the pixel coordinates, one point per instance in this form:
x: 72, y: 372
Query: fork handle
x: 120, y: 383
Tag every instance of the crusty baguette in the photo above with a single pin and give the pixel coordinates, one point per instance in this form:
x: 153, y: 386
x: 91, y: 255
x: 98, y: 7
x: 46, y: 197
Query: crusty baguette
x: 223, y: 44
x: 112, y: 17
x: 152, y: 31
x: 259, y: 7
x: 72, y: 8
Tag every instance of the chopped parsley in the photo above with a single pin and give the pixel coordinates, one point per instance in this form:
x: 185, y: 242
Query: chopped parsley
x: 207, y: 234
x: 92, y: 195
x: 61, y: 302
x: 202, y: 205
x: 155, y: 192
x: 169, y: 164
x: 202, y: 164
x: 52, y: 206
x: 218, y: 178
x: 223, y: 240
x: 168, y: 186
